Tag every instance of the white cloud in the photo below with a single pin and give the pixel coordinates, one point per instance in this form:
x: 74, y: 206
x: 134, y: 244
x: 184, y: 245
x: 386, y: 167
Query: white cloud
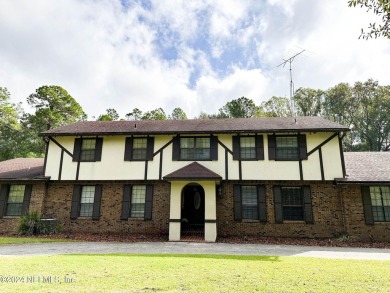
x: 191, y: 54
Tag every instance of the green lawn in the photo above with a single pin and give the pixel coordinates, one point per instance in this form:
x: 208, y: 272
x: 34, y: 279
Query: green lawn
x: 191, y: 273
x: 21, y: 240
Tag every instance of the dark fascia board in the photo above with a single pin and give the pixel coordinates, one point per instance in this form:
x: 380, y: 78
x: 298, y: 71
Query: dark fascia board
x: 25, y: 179
x: 195, y: 132
x: 192, y: 178
x: 341, y: 181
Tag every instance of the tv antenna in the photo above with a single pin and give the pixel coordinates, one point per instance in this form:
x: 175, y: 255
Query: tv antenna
x: 290, y: 60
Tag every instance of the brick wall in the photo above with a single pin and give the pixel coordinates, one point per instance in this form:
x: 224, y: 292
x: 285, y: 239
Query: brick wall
x: 326, y: 212
x: 59, y: 199
x: 10, y: 224
x: 354, y: 217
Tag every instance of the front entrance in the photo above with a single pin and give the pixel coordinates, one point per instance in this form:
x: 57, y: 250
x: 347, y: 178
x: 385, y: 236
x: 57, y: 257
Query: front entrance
x: 192, y: 210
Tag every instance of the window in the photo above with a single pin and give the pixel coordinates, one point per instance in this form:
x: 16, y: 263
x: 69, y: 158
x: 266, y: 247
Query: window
x: 195, y: 148
x: 380, y: 201
x: 87, y: 149
x: 15, y: 200
x: 250, y: 202
x: 137, y: 202
x: 139, y: 148
x: 293, y: 203
x: 287, y: 147
x: 248, y: 148
x: 86, y: 201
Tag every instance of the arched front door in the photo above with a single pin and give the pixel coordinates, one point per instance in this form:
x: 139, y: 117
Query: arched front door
x: 192, y: 210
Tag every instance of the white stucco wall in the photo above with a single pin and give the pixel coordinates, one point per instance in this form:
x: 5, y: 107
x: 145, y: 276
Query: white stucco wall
x: 113, y: 167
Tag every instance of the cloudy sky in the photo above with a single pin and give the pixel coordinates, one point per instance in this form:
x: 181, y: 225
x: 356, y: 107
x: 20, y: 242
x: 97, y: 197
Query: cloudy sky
x: 196, y: 55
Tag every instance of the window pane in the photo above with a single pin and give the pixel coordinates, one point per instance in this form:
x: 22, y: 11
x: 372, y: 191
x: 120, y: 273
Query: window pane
x: 88, y: 144
x: 139, y: 143
x: 139, y: 154
x: 292, y: 202
x: 88, y: 150
x: 202, y: 142
x: 16, y: 194
x: 14, y: 209
x: 187, y: 142
x: 247, y: 142
x: 378, y: 214
x: 202, y: 154
x: 195, y: 148
x: 138, y: 201
x: 247, y: 148
x: 287, y: 148
x: 86, y: 202
x: 380, y: 201
x: 187, y: 154
x: 249, y: 202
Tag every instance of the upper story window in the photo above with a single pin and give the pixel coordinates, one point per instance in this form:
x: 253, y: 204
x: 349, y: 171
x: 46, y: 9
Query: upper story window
x: 195, y: 148
x: 139, y: 148
x: 287, y: 147
x: 380, y: 202
x: 87, y: 149
x: 248, y: 148
x: 293, y: 203
x: 14, y: 199
x: 86, y: 201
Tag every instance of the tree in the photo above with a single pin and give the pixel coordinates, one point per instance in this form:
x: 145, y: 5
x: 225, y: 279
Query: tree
x: 54, y: 107
x: 371, y: 122
x: 178, y: 114
x: 156, y: 114
x: 136, y: 114
x: 276, y: 107
x: 380, y: 8
x: 111, y: 115
x: 238, y: 108
x: 308, y: 102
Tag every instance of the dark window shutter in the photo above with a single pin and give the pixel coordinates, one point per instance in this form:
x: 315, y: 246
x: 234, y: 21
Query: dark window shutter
x: 97, y: 202
x: 261, y: 196
x: 214, y: 148
x: 128, y: 148
x: 3, y: 198
x: 307, y: 205
x: 367, y: 207
x: 259, y: 147
x: 148, y: 202
x: 237, y: 203
x: 26, y: 198
x: 302, y: 147
x: 126, y: 202
x: 74, y: 211
x: 77, y: 149
x: 236, y: 147
x: 98, y: 149
x: 176, y: 149
x: 278, y: 204
x: 271, y: 147
x: 150, y: 149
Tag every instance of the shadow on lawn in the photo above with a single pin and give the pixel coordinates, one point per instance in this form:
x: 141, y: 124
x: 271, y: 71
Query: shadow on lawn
x: 208, y: 256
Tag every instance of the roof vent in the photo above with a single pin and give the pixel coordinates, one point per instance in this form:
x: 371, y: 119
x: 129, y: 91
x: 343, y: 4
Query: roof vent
x: 135, y: 126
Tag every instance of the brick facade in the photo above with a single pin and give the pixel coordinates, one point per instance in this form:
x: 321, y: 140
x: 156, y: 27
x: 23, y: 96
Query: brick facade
x: 38, y: 193
x: 336, y: 210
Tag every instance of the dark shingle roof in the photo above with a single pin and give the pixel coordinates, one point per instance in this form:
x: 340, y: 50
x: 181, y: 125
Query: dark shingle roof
x: 193, y: 171
x: 367, y: 167
x: 274, y: 124
x: 22, y: 168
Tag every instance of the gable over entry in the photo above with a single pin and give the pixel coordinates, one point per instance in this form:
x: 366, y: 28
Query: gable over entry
x: 199, y: 175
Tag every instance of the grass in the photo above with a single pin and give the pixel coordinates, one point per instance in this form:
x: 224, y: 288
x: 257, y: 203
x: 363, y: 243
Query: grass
x: 22, y: 240
x: 192, y: 273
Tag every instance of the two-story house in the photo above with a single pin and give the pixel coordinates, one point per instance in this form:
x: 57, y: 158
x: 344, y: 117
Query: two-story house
x: 225, y: 177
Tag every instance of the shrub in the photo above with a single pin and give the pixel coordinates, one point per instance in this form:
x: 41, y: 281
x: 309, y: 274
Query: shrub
x: 31, y: 223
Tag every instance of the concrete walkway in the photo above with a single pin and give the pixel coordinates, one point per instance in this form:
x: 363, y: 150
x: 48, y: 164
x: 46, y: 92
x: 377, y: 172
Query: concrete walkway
x: 56, y: 248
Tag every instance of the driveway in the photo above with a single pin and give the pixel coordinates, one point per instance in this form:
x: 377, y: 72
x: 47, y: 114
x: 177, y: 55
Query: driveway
x: 55, y: 248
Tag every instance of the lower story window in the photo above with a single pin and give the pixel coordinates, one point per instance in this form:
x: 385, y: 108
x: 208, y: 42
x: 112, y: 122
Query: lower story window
x: 138, y: 196
x: 249, y: 206
x: 15, y: 200
x: 86, y: 201
x: 380, y: 201
x: 292, y: 203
